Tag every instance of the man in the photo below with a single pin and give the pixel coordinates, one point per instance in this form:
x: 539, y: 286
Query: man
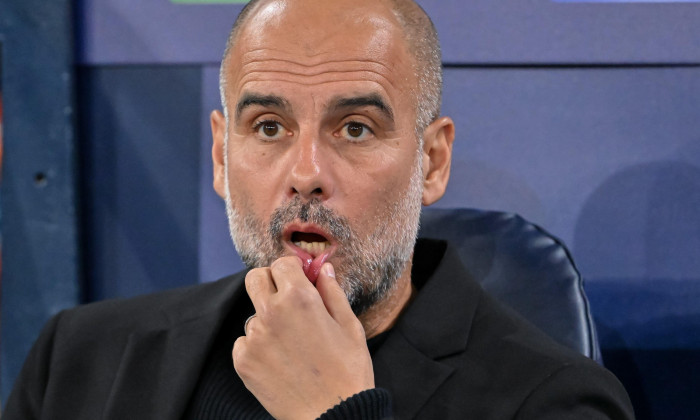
x: 328, y: 144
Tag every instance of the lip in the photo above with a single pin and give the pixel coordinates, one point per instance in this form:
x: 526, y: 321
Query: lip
x: 311, y: 265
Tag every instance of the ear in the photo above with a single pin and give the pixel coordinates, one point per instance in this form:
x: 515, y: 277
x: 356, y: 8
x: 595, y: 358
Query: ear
x: 218, y: 133
x: 437, y: 157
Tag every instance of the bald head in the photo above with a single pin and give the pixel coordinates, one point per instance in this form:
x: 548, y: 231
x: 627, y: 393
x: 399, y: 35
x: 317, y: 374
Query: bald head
x: 419, y: 35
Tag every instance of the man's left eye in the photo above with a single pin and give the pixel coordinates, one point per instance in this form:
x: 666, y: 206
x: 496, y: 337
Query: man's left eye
x: 355, y: 131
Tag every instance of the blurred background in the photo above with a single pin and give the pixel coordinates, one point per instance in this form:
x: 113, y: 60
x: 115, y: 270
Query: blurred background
x: 583, y: 117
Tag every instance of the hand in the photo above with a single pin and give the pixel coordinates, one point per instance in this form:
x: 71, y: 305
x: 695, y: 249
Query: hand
x: 305, y: 351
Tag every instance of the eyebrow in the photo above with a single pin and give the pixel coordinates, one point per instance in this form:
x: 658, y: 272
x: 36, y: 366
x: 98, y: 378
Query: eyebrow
x: 268, y: 101
x: 371, y: 100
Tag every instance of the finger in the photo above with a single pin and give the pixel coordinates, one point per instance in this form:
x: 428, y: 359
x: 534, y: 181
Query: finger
x: 259, y: 285
x: 333, y: 295
x: 288, y: 272
x: 238, y: 354
x: 237, y: 350
x: 259, y: 281
x: 246, y: 324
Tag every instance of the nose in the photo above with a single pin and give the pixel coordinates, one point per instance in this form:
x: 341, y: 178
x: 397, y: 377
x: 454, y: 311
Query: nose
x: 309, y: 176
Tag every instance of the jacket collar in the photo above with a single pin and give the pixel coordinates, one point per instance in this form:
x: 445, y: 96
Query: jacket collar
x: 435, y: 325
x: 160, y: 366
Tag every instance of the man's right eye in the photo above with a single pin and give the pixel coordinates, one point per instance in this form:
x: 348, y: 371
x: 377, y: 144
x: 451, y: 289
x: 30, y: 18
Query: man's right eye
x: 269, y: 130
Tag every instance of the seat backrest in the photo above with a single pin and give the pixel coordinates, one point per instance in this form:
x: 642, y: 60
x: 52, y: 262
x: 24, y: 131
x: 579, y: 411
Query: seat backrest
x: 523, y: 266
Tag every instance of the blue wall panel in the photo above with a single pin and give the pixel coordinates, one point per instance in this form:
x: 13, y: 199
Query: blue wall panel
x: 475, y: 31
x: 41, y: 260
x: 140, y: 153
x: 547, y: 142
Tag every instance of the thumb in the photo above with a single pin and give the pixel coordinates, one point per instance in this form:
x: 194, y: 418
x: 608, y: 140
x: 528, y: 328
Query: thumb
x: 332, y: 294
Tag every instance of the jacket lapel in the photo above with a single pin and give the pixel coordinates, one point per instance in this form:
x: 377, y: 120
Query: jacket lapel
x: 160, y: 367
x: 411, y: 376
x: 434, y: 326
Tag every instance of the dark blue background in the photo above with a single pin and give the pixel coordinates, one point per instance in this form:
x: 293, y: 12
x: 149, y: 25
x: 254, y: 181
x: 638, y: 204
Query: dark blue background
x: 581, y: 117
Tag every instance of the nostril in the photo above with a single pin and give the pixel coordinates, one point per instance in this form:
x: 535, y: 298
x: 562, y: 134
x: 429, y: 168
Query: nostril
x: 316, y: 192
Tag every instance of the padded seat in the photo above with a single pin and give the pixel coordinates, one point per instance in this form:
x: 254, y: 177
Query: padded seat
x: 524, y: 267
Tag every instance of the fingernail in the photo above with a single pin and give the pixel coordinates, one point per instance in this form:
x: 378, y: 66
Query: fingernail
x: 330, y: 271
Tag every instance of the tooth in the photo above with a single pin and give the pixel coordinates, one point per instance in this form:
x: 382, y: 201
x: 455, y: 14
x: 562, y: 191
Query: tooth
x: 313, y: 247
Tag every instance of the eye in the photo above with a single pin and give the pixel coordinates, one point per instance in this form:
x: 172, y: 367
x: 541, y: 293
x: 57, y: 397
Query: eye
x: 269, y: 130
x: 355, y: 131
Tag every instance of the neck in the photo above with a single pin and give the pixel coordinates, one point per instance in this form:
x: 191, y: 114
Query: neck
x: 383, y: 315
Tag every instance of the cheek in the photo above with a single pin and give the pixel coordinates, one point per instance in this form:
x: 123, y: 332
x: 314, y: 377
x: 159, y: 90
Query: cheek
x: 252, y: 176
x: 375, y: 189
x: 246, y: 159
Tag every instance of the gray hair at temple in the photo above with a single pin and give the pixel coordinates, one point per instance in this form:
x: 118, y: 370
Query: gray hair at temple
x: 423, y: 44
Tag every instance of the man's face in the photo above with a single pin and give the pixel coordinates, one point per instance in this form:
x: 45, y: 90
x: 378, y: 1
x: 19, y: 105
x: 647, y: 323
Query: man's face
x: 322, y: 157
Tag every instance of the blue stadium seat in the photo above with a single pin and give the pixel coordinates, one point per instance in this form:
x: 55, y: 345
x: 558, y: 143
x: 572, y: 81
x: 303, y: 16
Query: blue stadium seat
x: 524, y: 267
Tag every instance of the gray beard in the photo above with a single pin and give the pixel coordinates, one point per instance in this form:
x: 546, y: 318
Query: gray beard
x: 366, y: 268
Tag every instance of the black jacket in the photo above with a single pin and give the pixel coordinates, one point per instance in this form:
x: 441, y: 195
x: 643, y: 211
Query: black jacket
x: 455, y: 353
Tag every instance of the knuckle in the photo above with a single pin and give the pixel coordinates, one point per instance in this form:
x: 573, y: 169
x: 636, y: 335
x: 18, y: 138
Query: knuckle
x: 262, y: 310
x: 285, y: 264
x: 240, y: 355
x: 301, y: 296
x: 256, y: 272
x: 357, y: 330
x: 255, y: 276
x: 242, y: 368
x: 361, y: 334
x: 249, y: 328
x: 239, y: 350
x: 275, y: 313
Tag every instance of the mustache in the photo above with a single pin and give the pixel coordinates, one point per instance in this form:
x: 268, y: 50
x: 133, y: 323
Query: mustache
x: 312, y: 211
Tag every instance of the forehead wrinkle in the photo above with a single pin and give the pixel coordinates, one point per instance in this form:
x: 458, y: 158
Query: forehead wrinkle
x: 317, y: 73
x: 340, y: 66
x: 326, y: 77
x: 284, y: 61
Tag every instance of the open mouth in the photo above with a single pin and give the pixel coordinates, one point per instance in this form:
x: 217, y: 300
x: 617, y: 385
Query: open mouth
x: 313, y: 243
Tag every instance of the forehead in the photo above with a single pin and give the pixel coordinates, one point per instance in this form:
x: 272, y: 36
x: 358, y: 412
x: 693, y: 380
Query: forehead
x: 310, y: 43
x: 310, y: 25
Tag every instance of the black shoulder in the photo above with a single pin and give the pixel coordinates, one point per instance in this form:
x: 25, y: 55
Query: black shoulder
x: 145, y: 312
x: 578, y: 390
x: 520, y: 372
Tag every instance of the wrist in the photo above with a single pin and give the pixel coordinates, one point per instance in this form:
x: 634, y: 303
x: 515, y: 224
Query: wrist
x: 370, y: 404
